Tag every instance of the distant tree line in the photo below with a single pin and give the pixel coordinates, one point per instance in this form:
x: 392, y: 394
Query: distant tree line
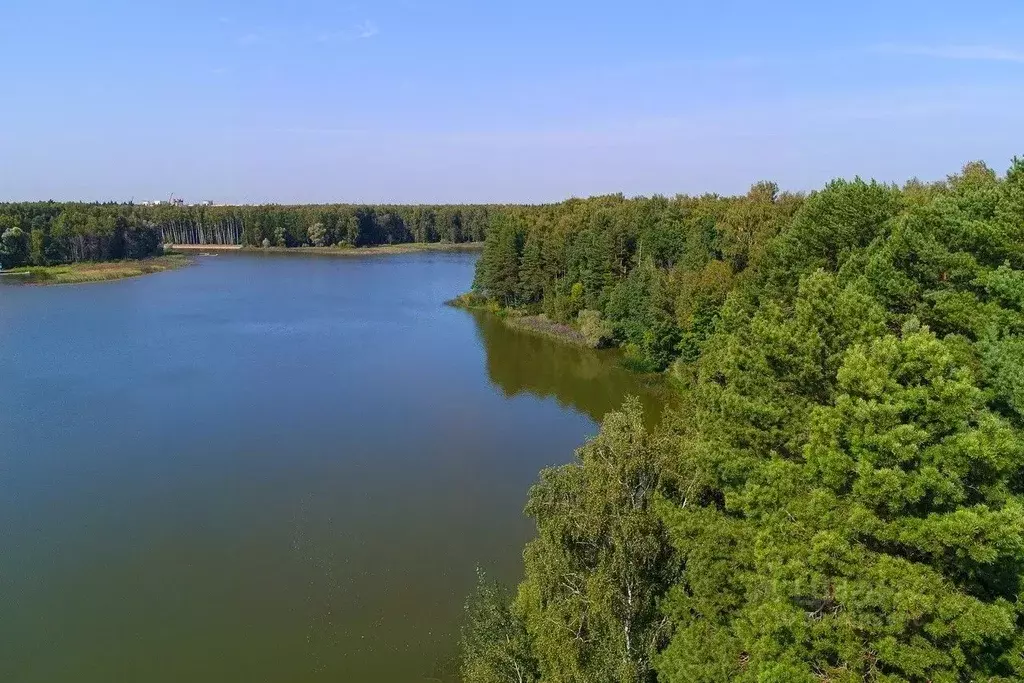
x: 42, y: 233
x: 321, y: 225
x: 840, y: 497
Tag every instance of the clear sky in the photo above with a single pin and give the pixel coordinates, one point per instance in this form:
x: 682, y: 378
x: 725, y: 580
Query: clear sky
x: 477, y: 101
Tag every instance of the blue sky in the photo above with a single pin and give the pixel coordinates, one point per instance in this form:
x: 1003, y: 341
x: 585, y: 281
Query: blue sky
x: 527, y: 101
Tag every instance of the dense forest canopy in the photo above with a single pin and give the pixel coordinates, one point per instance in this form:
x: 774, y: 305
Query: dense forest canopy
x: 46, y: 233
x: 841, y: 496
x: 655, y: 269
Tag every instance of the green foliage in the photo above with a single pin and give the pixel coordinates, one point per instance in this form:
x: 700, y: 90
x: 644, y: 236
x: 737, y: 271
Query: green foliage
x: 843, y: 497
x: 641, y: 313
x: 531, y: 270
x: 318, y: 235
x: 749, y: 224
x: 595, y: 331
x: 830, y: 226
x: 656, y: 269
x: 600, y: 559
x: 850, y: 499
x: 13, y: 247
x: 1004, y: 361
x: 701, y: 294
x: 569, y: 306
x: 280, y: 236
x: 881, y: 540
x: 37, y: 247
x: 101, y: 232
x: 495, y: 644
x: 497, y: 274
x: 50, y: 233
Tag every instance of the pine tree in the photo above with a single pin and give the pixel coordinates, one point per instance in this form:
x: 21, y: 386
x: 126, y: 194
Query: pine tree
x: 498, y: 273
x: 531, y: 271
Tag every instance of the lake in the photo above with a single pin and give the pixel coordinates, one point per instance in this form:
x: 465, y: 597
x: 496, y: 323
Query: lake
x: 269, y: 468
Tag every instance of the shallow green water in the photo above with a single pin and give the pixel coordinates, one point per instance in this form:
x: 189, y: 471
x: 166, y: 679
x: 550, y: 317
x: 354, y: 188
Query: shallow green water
x: 268, y: 468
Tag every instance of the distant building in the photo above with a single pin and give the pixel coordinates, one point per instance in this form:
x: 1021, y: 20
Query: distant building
x: 175, y: 201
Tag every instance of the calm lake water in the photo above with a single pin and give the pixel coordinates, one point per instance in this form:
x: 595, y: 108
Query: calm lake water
x: 265, y: 468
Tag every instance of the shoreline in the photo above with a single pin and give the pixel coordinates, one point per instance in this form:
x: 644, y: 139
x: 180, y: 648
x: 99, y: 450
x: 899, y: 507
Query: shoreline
x: 542, y: 326
x: 535, y: 324
x: 382, y: 249
x: 180, y: 255
x: 665, y: 383
x: 88, y: 272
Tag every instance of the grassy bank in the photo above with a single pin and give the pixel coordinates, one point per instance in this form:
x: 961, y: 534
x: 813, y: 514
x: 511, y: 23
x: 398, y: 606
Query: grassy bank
x: 406, y: 248
x: 538, y: 324
x: 541, y: 324
x: 76, y: 273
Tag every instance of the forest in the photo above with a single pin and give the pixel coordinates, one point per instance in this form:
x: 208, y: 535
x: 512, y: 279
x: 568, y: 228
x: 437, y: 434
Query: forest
x: 839, y: 495
x: 50, y: 233
x: 321, y: 225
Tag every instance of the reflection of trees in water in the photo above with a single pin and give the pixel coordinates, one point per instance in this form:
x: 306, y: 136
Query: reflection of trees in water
x: 589, y: 381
